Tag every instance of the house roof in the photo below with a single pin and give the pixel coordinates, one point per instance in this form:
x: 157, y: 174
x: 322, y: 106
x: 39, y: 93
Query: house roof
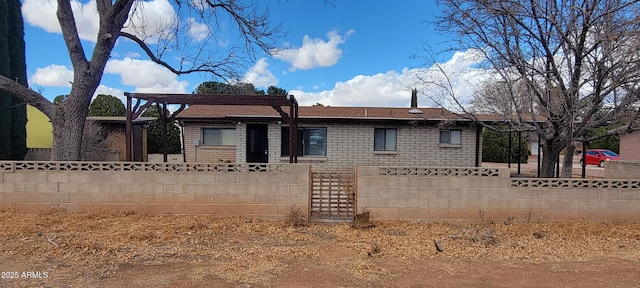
x: 119, y: 119
x: 202, y: 112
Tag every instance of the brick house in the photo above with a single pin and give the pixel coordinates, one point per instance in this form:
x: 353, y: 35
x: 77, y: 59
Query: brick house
x: 630, y: 146
x: 331, y: 137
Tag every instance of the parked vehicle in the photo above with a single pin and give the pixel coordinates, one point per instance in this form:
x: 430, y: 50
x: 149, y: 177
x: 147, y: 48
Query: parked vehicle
x: 599, y: 157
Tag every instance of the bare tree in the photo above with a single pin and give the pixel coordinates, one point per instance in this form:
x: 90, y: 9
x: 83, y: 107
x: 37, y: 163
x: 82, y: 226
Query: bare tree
x: 161, y: 46
x: 95, y: 144
x: 571, y: 59
x: 502, y: 98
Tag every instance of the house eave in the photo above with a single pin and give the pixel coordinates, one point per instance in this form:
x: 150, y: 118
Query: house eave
x: 331, y: 119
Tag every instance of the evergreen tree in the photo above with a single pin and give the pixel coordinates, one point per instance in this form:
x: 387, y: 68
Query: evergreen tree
x: 217, y: 88
x: 13, y: 111
x: 610, y: 142
x: 5, y: 98
x: 59, y: 99
x: 107, y: 105
x: 154, y: 134
x: 414, y: 98
x: 495, y: 147
x: 19, y: 72
x: 273, y: 90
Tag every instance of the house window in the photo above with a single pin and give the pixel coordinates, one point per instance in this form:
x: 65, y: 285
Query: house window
x: 450, y: 137
x: 218, y: 137
x: 384, y: 139
x: 311, y: 141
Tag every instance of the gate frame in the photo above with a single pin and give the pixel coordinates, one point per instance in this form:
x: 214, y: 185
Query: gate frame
x: 355, y: 195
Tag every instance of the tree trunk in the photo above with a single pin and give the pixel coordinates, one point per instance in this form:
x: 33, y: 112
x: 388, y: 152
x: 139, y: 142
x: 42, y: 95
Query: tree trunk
x: 550, y: 156
x: 68, y: 126
x: 567, y: 163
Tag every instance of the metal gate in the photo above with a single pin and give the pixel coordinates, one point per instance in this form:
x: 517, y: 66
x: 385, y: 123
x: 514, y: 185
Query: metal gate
x: 333, y: 195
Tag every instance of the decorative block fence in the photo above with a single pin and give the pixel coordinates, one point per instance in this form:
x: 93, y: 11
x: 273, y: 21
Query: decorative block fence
x: 264, y: 191
x: 451, y: 194
x: 270, y: 190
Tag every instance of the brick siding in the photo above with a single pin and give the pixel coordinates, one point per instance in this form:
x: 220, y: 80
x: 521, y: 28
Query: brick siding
x: 349, y: 145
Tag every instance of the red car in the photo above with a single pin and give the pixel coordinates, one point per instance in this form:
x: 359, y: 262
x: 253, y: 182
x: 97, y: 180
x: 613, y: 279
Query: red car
x: 600, y: 156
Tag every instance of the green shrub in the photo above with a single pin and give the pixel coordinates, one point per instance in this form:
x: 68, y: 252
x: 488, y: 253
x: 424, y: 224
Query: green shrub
x: 495, y: 147
x: 610, y: 142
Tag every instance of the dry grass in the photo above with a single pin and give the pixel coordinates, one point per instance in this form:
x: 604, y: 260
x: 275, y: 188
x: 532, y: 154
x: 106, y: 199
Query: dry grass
x: 255, y: 251
x: 295, y: 218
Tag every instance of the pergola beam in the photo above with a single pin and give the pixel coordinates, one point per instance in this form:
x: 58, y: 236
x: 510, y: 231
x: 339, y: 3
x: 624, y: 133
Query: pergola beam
x: 274, y: 101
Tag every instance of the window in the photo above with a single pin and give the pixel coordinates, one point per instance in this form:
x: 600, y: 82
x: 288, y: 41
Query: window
x: 311, y: 141
x: 450, y: 137
x: 218, y: 136
x: 384, y: 139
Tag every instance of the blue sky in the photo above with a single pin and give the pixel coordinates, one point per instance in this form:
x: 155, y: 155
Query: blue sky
x: 351, y: 53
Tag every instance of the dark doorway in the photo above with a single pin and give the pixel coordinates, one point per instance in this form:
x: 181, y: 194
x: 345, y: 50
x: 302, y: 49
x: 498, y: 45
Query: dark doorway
x: 257, y: 143
x: 138, y: 143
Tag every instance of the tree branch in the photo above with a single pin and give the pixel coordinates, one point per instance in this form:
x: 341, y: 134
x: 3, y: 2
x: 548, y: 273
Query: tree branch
x: 70, y: 34
x: 33, y: 98
x: 211, y: 68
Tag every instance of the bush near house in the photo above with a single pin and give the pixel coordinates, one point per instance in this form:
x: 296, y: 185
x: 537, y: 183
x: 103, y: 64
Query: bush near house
x: 610, y: 142
x: 154, y: 134
x: 495, y: 147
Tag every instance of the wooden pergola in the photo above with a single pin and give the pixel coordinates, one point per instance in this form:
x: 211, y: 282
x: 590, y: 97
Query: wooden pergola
x: 145, y: 100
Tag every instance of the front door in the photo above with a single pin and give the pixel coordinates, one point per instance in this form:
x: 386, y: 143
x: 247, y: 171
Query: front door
x: 257, y: 143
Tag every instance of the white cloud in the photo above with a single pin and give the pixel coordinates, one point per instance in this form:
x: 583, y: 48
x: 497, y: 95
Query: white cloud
x: 52, y: 75
x: 179, y: 87
x: 393, y: 89
x: 314, y: 52
x: 42, y: 13
x: 129, y: 54
x: 146, y: 76
x: 151, y: 20
x: 382, y: 89
x: 118, y: 93
x: 259, y: 75
x: 198, y: 31
x: 148, y: 18
x: 198, y: 4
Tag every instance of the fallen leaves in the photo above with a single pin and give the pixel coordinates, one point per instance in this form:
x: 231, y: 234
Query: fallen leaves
x: 255, y: 251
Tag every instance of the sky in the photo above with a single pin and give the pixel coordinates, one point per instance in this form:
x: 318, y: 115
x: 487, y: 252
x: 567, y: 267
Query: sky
x: 339, y: 53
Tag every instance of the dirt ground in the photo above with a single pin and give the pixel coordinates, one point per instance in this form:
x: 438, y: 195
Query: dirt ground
x: 120, y: 249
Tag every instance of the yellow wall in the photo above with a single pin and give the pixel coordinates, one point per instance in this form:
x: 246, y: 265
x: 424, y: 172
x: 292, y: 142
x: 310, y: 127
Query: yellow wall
x: 39, y: 129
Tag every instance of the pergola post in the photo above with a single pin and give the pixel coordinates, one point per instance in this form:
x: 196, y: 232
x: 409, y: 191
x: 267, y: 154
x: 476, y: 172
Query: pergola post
x: 128, y: 131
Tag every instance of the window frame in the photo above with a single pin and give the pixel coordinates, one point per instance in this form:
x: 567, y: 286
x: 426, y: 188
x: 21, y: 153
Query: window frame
x: 385, y: 139
x: 203, y: 141
x: 449, y: 138
x: 303, y: 147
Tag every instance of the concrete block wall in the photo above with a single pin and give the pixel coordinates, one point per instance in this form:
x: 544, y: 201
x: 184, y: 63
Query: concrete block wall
x: 269, y: 191
x: 171, y: 158
x: 630, y: 146
x: 622, y: 170
x: 38, y: 154
x: 215, y: 154
x: 253, y: 194
x: 473, y: 198
x: 349, y: 145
